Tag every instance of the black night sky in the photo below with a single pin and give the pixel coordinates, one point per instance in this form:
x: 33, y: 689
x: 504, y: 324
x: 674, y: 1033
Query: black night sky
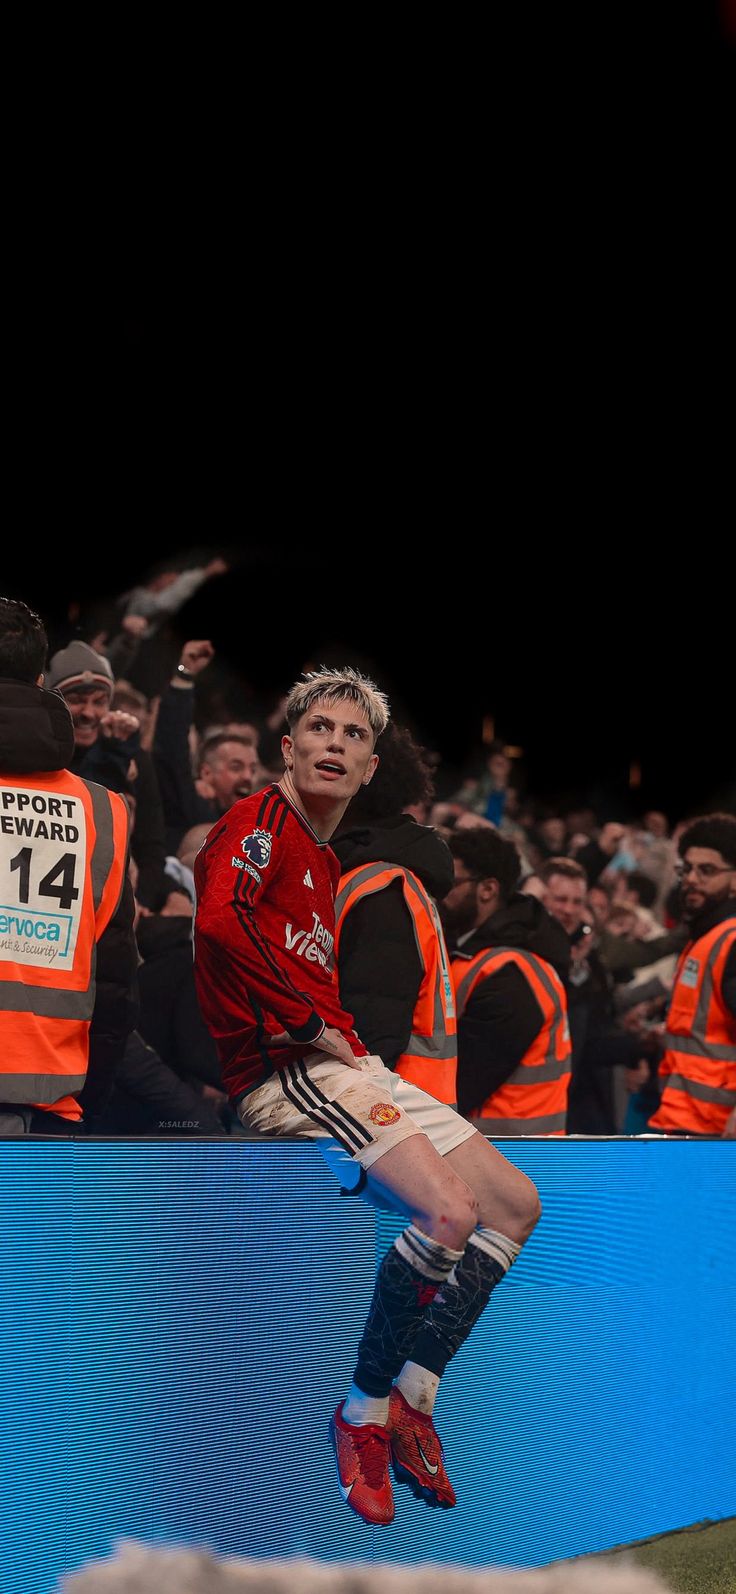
x: 490, y: 469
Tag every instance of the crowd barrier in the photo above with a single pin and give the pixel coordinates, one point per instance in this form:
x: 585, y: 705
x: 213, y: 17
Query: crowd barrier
x: 179, y: 1318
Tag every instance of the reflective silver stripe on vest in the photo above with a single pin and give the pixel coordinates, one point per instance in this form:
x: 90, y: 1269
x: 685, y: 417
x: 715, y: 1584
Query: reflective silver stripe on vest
x: 692, y: 1046
x: 45, y: 1001
x: 426, y: 1046
x: 552, y: 1123
x: 707, y: 1048
x: 537, y: 1073
x: 560, y: 1013
x: 438, y: 1046
x: 525, y: 1074
x: 103, y: 849
x: 461, y: 993
x: 49, y: 1002
x: 42, y: 1088
x: 368, y: 872
x: 695, y: 1087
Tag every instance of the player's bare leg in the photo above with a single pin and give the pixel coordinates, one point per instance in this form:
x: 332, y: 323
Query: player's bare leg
x: 507, y: 1199
x: 432, y: 1190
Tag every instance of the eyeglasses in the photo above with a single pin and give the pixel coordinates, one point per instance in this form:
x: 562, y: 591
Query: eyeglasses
x: 703, y: 871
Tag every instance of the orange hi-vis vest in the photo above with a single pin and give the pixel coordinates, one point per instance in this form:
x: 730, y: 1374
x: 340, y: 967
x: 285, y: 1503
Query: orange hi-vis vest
x: 63, y: 848
x: 533, y: 1100
x: 698, y: 1070
x: 430, y: 1059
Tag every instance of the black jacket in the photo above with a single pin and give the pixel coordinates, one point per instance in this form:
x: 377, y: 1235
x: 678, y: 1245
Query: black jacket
x: 36, y: 735
x: 379, y: 969
x: 171, y: 1021
x: 503, y: 1017
x: 599, y: 1045
x: 182, y: 805
x: 108, y: 762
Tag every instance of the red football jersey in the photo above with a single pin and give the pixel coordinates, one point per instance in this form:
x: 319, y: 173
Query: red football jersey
x: 263, y: 938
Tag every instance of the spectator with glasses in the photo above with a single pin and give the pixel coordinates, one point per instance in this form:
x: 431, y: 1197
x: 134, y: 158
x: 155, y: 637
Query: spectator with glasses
x: 698, y: 1069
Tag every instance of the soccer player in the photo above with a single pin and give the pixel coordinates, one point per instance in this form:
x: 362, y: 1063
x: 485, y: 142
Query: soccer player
x: 293, y: 1065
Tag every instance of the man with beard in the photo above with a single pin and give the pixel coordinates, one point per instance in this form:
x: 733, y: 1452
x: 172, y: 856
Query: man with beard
x: 510, y: 962
x: 698, y: 1070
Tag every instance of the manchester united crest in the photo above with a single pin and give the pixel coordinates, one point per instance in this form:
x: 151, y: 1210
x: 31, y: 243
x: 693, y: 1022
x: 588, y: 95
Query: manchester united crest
x: 384, y: 1113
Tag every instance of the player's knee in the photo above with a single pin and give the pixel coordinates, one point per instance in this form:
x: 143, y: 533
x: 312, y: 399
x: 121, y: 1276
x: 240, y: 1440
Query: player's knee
x: 530, y: 1206
x: 522, y: 1208
x: 454, y: 1218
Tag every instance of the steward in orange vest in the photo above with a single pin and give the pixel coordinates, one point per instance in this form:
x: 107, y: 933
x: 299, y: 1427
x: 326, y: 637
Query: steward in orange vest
x: 429, y: 1055
x: 508, y: 966
x: 67, y: 949
x: 698, y: 1070
x: 390, y: 953
x: 533, y: 1098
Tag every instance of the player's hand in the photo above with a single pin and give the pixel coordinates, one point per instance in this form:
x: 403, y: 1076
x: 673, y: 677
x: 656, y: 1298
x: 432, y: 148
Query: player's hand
x: 335, y: 1044
x: 729, y: 1128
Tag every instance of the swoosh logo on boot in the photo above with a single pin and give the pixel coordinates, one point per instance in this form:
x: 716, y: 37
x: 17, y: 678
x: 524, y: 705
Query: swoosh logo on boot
x: 431, y: 1469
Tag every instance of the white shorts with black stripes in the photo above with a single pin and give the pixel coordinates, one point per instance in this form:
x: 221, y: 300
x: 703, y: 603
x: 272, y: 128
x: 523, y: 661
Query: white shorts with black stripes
x: 364, y: 1111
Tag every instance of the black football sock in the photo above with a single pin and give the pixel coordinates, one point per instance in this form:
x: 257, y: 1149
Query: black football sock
x: 460, y: 1301
x: 409, y: 1277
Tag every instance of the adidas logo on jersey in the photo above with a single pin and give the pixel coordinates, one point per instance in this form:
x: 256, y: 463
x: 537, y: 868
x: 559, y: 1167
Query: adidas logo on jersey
x: 308, y: 881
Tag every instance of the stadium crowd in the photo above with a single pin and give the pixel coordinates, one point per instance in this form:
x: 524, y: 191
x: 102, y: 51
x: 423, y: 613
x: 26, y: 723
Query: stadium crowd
x: 564, y: 930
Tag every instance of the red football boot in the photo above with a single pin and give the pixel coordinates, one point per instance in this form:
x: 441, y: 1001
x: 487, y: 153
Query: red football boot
x: 416, y: 1453
x: 362, y: 1453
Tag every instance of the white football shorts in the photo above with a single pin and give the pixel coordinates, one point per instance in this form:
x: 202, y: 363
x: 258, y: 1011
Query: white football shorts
x: 358, y: 1113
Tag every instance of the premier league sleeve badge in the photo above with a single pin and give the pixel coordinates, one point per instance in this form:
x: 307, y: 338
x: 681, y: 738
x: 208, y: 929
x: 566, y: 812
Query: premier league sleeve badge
x: 257, y: 847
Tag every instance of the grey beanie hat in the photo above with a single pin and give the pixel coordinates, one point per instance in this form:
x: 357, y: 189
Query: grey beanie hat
x: 79, y: 665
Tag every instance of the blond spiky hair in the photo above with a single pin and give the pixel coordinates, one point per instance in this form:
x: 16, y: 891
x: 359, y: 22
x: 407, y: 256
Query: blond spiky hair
x: 338, y: 686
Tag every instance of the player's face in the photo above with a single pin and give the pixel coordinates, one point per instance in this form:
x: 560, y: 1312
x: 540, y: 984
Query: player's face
x: 330, y: 751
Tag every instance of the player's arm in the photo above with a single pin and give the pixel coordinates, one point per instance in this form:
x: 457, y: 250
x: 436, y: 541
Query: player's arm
x: 232, y: 903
